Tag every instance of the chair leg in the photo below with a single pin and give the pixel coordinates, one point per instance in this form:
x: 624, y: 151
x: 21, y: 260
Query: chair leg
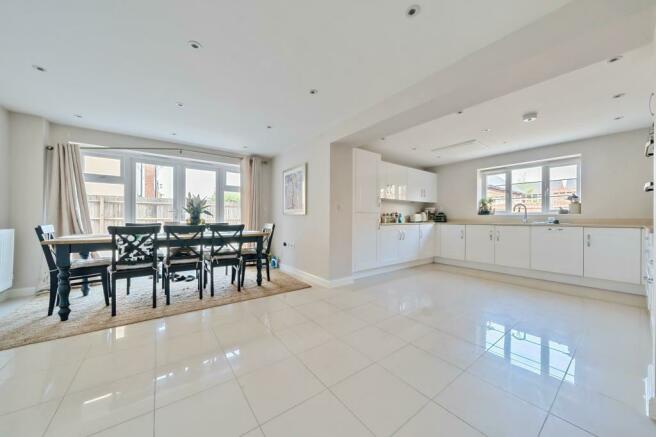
x: 167, y: 279
x: 267, y: 267
x: 226, y: 270
x: 232, y: 280
x: 204, y: 276
x: 105, y: 285
x: 238, y: 270
x: 199, y: 275
x: 113, y: 296
x: 242, y: 268
x: 128, y: 286
x: 155, y: 290
x: 212, y: 280
x: 53, y: 293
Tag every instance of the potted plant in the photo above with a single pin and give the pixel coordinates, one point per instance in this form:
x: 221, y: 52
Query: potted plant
x: 485, y: 206
x: 196, y: 206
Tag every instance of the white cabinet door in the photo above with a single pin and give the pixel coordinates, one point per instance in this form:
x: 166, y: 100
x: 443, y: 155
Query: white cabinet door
x: 452, y: 242
x: 430, y: 188
x: 512, y: 246
x: 397, y: 178
x: 438, y: 240
x: 557, y: 249
x: 613, y: 254
x: 365, y: 241
x: 426, y: 241
x: 384, y: 181
x: 415, y: 181
x: 409, y: 246
x: 365, y: 181
x: 480, y: 243
x: 389, y: 240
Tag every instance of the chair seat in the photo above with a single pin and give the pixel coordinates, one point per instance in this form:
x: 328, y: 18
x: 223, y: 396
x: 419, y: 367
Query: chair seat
x: 133, y: 266
x: 189, y: 260
x: 220, y: 255
x: 90, y: 262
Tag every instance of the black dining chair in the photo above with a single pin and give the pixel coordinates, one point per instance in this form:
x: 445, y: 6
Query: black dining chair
x: 90, y: 270
x: 183, y: 253
x: 225, y: 250
x: 134, y: 254
x: 249, y: 255
x: 160, y: 255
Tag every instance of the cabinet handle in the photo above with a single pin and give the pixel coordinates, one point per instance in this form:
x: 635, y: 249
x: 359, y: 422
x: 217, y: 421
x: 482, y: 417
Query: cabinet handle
x: 588, y: 238
x: 491, y: 235
x: 498, y: 235
x: 462, y: 234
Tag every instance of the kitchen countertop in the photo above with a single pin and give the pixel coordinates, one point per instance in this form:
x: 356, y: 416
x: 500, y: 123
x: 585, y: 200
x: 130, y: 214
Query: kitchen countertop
x: 602, y: 223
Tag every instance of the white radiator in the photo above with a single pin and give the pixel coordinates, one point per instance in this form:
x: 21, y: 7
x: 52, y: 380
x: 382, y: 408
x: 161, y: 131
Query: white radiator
x: 6, y: 258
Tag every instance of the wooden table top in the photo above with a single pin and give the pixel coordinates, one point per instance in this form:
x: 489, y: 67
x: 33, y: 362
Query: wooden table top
x: 107, y: 238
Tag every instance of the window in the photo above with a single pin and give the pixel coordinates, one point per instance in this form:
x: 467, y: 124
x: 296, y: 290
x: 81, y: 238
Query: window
x: 232, y: 198
x: 105, y: 184
x: 542, y: 186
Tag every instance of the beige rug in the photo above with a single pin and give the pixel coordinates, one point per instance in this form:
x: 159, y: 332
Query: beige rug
x: 30, y: 324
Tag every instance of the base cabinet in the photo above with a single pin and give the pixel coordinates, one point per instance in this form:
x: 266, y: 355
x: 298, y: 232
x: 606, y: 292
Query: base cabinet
x: 613, y: 254
x: 452, y: 241
x: 480, y: 244
x: 409, y: 245
x: 389, y: 241
x: 426, y: 241
x: 365, y: 241
x: 512, y: 246
x: 557, y: 249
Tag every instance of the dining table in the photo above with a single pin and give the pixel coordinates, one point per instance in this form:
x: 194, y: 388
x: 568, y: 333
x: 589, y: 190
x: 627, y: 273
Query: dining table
x: 84, y: 244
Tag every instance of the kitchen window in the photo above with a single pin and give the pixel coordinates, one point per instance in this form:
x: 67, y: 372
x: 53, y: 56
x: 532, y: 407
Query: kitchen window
x: 543, y: 186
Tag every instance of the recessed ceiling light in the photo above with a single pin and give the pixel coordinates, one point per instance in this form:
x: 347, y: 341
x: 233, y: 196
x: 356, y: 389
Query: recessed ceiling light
x: 179, y: 104
x: 619, y: 95
x: 194, y: 44
x: 39, y: 68
x: 619, y: 117
x: 382, y: 139
x: 412, y: 11
x: 414, y: 148
x: 245, y: 147
x: 77, y: 115
x: 268, y: 127
x: 460, y: 112
x: 487, y: 129
x: 614, y: 59
x: 529, y: 117
x: 173, y: 134
x: 314, y: 91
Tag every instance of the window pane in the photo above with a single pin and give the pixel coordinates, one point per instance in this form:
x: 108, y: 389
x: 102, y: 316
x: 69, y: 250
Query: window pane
x: 154, y: 193
x: 203, y: 183
x: 527, y: 188
x: 232, y: 207
x: 106, y: 205
x: 233, y: 179
x: 495, y: 188
x: 562, y: 184
x: 102, y: 166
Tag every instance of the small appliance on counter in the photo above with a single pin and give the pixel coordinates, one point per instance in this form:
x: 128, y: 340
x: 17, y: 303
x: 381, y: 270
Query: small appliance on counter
x: 574, y: 204
x: 418, y: 217
x: 440, y: 217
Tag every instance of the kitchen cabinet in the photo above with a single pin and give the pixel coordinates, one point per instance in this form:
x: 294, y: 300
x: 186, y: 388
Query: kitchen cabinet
x: 452, y: 241
x: 512, y: 246
x: 557, y: 249
x: 365, y: 241
x: 613, y: 254
x: 426, y: 240
x: 389, y: 242
x: 479, y: 243
x: 393, y: 182
x: 422, y: 186
x: 365, y: 181
x: 409, y: 245
x: 437, y: 239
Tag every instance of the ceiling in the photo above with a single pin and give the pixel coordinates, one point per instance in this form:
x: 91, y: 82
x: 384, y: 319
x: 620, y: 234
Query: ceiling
x: 123, y: 66
x: 572, y: 106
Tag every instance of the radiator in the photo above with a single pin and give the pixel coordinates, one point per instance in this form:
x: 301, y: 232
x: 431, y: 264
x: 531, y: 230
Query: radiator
x: 6, y: 258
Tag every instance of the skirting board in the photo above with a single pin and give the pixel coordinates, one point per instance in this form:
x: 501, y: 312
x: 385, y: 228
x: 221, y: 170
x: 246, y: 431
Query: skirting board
x: 314, y: 279
x: 391, y: 268
x: 545, y: 284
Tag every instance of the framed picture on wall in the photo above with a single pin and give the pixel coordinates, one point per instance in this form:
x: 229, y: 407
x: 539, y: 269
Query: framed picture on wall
x: 294, y: 182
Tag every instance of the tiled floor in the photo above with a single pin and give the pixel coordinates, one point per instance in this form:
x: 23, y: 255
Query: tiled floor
x: 420, y: 352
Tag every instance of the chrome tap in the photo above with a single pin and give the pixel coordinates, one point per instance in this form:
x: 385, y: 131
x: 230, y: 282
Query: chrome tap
x: 517, y: 208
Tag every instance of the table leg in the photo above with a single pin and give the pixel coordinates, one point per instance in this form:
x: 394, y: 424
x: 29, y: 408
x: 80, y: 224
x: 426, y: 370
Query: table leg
x: 63, y: 261
x: 85, y: 281
x: 258, y: 250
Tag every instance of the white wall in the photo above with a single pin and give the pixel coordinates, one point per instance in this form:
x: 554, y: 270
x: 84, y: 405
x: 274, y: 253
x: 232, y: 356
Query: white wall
x: 5, y: 179
x: 341, y: 211
x: 613, y: 172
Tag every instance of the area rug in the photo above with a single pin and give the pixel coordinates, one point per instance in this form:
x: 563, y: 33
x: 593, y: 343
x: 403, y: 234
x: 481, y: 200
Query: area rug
x: 29, y: 323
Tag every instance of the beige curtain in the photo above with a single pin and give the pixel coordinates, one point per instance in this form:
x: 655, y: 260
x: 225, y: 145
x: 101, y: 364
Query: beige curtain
x: 251, y: 194
x: 66, y: 207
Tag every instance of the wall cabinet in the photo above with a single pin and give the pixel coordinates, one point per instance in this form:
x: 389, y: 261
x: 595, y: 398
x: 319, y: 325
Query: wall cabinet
x: 426, y: 240
x: 365, y: 241
x: 365, y: 181
x: 409, y: 246
x: 422, y: 186
x: 389, y: 242
x: 479, y: 243
x: 512, y: 246
x: 557, y: 249
x: 452, y: 241
x: 393, y: 183
x: 613, y: 254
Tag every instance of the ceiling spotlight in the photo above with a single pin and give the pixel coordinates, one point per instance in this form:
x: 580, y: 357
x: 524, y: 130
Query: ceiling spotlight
x: 173, y: 134
x: 194, y: 44
x: 460, y: 112
x: 382, y: 139
x: 412, y: 11
x: 614, y: 59
x: 245, y: 147
x: 487, y: 129
x: 77, y: 115
x: 619, y: 95
x: 268, y: 127
x: 179, y: 104
x: 314, y: 91
x: 619, y: 117
x: 414, y: 148
x: 39, y: 68
x: 529, y: 117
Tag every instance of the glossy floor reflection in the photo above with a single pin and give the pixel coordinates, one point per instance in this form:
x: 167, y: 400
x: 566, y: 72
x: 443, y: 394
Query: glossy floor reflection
x: 420, y: 352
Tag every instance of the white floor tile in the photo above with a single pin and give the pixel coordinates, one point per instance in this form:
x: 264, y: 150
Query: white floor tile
x: 349, y: 300
x: 556, y: 427
x: 333, y: 361
x: 186, y: 346
x: 28, y: 422
x: 340, y: 323
x: 278, y: 387
x: 374, y: 342
x: 491, y: 410
x: 314, y: 310
x: 320, y: 416
x: 282, y: 319
x: 220, y: 410
x: 380, y: 400
x: 404, y: 327
x: 425, y: 372
x: 138, y: 427
x: 435, y: 421
x: 302, y: 337
x: 449, y: 348
x: 372, y: 313
x: 255, y: 354
x: 236, y: 333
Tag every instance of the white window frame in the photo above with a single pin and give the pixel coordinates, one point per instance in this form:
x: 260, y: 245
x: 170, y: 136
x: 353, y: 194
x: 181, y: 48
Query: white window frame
x: 128, y: 178
x: 545, y: 164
